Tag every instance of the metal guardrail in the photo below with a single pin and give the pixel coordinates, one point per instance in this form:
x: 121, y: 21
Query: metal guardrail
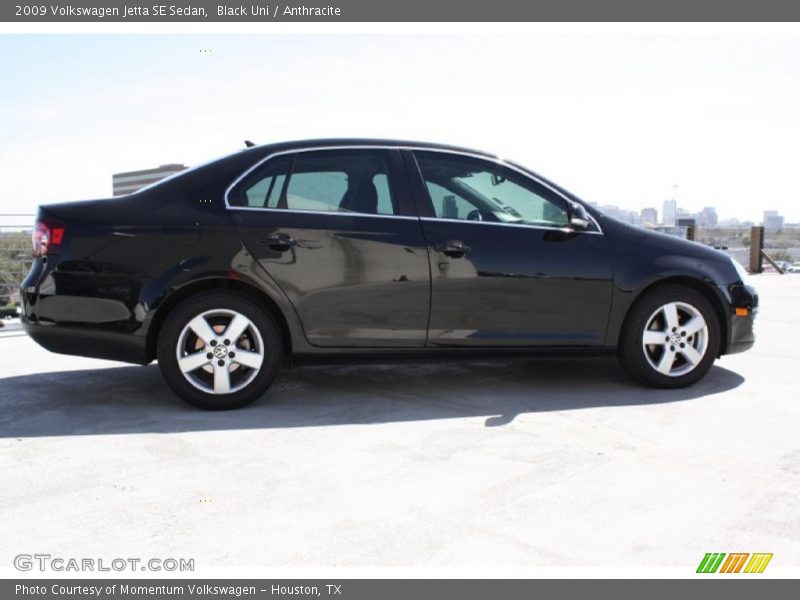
x: 751, y: 246
x: 15, y: 253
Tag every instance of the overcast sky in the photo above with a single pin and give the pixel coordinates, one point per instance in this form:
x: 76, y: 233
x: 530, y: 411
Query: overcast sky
x: 617, y: 119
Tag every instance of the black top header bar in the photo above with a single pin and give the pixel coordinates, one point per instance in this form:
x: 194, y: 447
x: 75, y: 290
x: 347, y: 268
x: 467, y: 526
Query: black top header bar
x: 343, y: 11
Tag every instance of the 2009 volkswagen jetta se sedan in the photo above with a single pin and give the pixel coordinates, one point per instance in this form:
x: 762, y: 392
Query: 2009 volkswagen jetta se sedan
x: 370, y: 249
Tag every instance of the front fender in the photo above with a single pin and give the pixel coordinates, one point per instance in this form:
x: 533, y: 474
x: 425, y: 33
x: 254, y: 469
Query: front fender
x: 644, y: 259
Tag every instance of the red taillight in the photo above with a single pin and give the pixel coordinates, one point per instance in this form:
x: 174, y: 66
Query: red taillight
x: 47, y: 237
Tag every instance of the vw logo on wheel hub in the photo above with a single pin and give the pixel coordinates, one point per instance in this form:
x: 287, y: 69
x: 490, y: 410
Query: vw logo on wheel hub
x: 220, y: 351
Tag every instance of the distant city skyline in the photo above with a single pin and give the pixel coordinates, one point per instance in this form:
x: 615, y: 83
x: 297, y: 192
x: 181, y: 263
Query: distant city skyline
x: 707, y: 217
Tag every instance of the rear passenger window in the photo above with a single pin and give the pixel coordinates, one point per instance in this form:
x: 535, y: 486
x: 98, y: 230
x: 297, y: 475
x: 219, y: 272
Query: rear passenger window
x: 355, y: 181
x: 316, y: 190
x: 275, y: 191
x: 265, y: 192
x: 381, y: 183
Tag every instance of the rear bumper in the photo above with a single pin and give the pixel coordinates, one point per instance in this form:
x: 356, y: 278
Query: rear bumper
x: 67, y: 313
x: 79, y: 341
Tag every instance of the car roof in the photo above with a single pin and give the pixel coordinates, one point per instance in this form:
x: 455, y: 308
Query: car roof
x: 270, y: 148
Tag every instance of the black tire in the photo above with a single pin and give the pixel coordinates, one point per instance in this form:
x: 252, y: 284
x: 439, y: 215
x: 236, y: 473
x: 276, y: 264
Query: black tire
x: 254, y: 382
x: 639, y: 360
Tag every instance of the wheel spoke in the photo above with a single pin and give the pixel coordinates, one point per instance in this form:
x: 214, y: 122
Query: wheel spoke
x: 236, y: 328
x: 205, y: 336
x: 664, y: 338
x: 248, y: 359
x: 193, y: 361
x: 692, y: 355
x: 671, y: 316
x: 222, y: 379
x: 654, y: 337
x: 665, y: 364
x: 202, y: 329
x: 694, y: 325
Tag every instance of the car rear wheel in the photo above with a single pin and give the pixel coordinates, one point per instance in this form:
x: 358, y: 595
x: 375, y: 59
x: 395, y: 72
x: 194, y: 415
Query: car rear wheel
x: 219, y: 350
x: 671, y: 337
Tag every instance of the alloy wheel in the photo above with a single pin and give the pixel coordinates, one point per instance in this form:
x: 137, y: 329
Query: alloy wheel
x: 675, y: 339
x: 220, y: 351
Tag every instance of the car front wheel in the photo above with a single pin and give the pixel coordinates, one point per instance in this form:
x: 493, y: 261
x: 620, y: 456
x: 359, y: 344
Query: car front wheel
x: 671, y: 337
x: 219, y: 350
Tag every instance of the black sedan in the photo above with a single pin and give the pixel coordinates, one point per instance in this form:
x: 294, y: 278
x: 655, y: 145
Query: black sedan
x: 370, y: 249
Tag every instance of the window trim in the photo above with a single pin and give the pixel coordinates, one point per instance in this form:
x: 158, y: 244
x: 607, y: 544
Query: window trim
x: 417, y: 173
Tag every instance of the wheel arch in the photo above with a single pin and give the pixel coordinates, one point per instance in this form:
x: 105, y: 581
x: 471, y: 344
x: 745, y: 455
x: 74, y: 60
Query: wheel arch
x: 703, y: 287
x: 217, y: 283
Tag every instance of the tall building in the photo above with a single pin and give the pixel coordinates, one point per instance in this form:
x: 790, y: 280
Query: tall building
x: 772, y: 220
x: 670, y: 212
x: 649, y: 217
x: 624, y: 215
x: 132, y: 181
x: 707, y: 217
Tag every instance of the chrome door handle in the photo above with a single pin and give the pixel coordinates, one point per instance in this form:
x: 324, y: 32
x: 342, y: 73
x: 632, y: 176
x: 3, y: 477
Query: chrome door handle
x: 280, y: 241
x: 453, y: 248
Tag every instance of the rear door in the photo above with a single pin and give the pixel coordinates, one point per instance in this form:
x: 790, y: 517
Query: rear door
x: 337, y: 229
x: 506, y: 268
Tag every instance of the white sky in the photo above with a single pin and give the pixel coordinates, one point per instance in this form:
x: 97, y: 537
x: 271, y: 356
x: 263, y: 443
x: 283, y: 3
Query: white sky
x: 616, y: 118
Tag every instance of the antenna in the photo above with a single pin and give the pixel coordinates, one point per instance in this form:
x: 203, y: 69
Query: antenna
x: 248, y: 144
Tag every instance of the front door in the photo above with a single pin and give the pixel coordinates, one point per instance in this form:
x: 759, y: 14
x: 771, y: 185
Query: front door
x: 338, y: 232
x: 506, y: 268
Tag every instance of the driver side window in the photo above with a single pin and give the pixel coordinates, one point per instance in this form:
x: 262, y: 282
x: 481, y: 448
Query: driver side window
x: 448, y: 205
x: 463, y: 187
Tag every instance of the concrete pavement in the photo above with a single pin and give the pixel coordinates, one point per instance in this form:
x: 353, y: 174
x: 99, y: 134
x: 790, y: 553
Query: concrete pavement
x: 534, y: 463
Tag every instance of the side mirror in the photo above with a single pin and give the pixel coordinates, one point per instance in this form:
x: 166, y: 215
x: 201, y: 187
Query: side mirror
x: 578, y: 217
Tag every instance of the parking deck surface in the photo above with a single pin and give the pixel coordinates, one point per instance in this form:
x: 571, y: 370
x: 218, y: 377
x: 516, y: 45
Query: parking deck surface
x: 529, y: 464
